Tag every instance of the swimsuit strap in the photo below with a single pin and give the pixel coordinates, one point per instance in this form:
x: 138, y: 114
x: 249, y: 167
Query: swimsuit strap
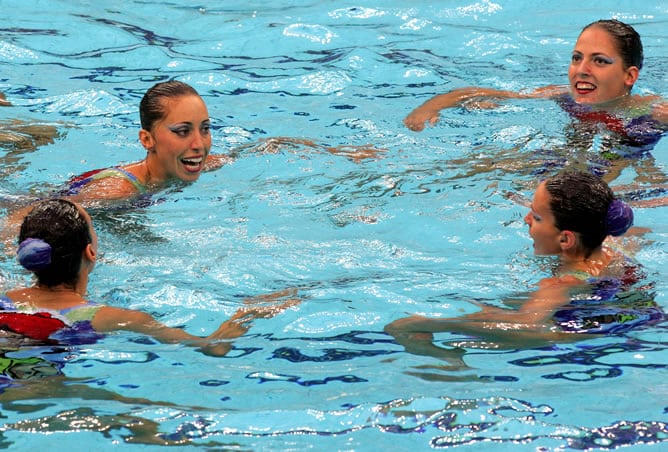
x: 78, y: 182
x: 81, y: 312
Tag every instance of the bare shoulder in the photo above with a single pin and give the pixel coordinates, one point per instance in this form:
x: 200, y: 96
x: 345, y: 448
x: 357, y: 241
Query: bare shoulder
x: 106, y: 189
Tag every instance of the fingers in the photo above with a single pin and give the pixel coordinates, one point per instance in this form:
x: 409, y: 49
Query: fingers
x: 413, y: 124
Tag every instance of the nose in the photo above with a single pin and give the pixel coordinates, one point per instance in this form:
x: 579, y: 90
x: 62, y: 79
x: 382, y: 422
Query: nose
x: 582, y: 67
x: 527, y: 218
x: 197, y: 141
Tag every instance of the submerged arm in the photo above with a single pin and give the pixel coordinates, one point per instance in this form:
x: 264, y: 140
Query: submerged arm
x: 110, y: 318
x: 491, y: 327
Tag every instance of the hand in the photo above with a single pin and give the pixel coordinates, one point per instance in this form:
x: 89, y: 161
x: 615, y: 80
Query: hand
x: 417, y: 118
x: 260, y: 307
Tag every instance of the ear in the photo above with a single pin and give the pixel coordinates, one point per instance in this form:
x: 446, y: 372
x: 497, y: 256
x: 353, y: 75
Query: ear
x: 632, y: 74
x: 90, y: 254
x: 567, y: 240
x: 146, y: 140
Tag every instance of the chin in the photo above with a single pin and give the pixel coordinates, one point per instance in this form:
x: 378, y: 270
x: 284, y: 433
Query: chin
x: 585, y: 99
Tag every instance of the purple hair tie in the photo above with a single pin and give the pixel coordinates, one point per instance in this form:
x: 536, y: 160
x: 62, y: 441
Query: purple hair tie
x: 619, y: 219
x: 34, y: 254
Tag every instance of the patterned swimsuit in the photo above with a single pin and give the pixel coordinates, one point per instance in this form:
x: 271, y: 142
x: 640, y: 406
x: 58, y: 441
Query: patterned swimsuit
x: 72, y: 325
x: 609, y: 304
x: 76, y: 184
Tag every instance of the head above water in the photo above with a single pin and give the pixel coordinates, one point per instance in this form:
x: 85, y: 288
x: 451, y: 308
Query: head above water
x: 583, y: 203
x: 605, y: 63
x: 52, y: 239
x: 152, y: 107
x: 627, y: 40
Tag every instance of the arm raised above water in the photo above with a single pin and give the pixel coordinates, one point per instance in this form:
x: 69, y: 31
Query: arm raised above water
x: 481, y: 98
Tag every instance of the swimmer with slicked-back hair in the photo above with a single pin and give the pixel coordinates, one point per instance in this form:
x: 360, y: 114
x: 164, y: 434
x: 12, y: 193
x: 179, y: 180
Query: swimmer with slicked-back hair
x: 611, y: 127
x: 605, y: 64
x: 176, y: 134
x: 571, y: 216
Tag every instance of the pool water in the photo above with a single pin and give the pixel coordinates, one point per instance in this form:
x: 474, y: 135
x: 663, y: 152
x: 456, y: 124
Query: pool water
x: 419, y: 225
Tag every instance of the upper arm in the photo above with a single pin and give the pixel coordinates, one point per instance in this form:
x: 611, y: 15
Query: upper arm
x: 109, y: 318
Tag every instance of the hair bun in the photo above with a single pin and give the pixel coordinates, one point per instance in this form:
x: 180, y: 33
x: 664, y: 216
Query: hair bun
x: 34, y: 254
x: 619, y: 219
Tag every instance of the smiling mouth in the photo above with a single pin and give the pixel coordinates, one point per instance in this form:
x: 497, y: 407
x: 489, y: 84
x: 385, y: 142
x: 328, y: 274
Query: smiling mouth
x: 584, y: 87
x: 193, y: 163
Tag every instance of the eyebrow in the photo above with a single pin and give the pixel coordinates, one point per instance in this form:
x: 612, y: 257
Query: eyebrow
x: 533, y: 212
x: 596, y: 54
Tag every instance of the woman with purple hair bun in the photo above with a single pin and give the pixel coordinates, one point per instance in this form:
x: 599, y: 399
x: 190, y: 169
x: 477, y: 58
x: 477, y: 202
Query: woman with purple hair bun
x: 58, y: 244
x: 594, y: 288
x: 571, y: 215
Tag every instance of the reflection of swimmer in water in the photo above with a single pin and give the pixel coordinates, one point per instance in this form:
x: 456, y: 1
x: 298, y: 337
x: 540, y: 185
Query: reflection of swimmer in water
x: 31, y: 376
x: 20, y: 137
x: 609, y: 122
x: 571, y: 215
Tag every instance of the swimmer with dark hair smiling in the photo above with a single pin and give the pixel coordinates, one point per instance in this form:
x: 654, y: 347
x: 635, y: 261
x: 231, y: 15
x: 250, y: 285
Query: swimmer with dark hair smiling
x: 610, y: 128
x: 605, y: 64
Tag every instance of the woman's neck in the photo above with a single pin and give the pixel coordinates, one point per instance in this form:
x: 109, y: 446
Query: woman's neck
x: 593, y: 263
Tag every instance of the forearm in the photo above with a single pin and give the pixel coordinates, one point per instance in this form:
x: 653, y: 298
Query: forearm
x: 461, y: 96
x: 481, y: 97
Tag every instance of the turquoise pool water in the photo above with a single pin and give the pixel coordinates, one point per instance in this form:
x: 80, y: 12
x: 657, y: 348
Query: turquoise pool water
x: 419, y: 227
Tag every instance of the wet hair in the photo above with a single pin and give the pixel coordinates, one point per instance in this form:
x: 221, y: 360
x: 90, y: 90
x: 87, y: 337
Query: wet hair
x: 628, y: 41
x: 152, y: 108
x: 584, y: 203
x: 52, y: 237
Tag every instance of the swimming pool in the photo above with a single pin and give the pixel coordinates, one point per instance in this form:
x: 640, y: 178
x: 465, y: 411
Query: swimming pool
x: 414, y: 229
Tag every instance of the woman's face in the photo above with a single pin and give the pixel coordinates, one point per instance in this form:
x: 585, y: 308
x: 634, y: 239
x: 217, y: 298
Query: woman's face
x: 596, y: 73
x: 546, y: 236
x: 179, y: 143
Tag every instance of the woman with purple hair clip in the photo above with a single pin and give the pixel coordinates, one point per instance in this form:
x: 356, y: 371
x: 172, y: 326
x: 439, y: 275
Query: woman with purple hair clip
x: 58, y: 244
x: 591, y: 290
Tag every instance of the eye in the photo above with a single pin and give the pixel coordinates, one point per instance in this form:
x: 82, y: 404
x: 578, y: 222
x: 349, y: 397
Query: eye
x: 181, y: 131
x: 205, y: 129
x: 576, y: 58
x: 535, y: 216
x: 603, y: 61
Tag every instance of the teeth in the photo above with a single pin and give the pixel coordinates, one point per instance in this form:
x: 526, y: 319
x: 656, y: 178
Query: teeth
x: 192, y: 161
x: 584, y: 85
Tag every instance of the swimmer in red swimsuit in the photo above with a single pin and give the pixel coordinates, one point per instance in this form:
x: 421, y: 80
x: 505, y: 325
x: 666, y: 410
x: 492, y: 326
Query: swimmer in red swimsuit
x: 59, y: 245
